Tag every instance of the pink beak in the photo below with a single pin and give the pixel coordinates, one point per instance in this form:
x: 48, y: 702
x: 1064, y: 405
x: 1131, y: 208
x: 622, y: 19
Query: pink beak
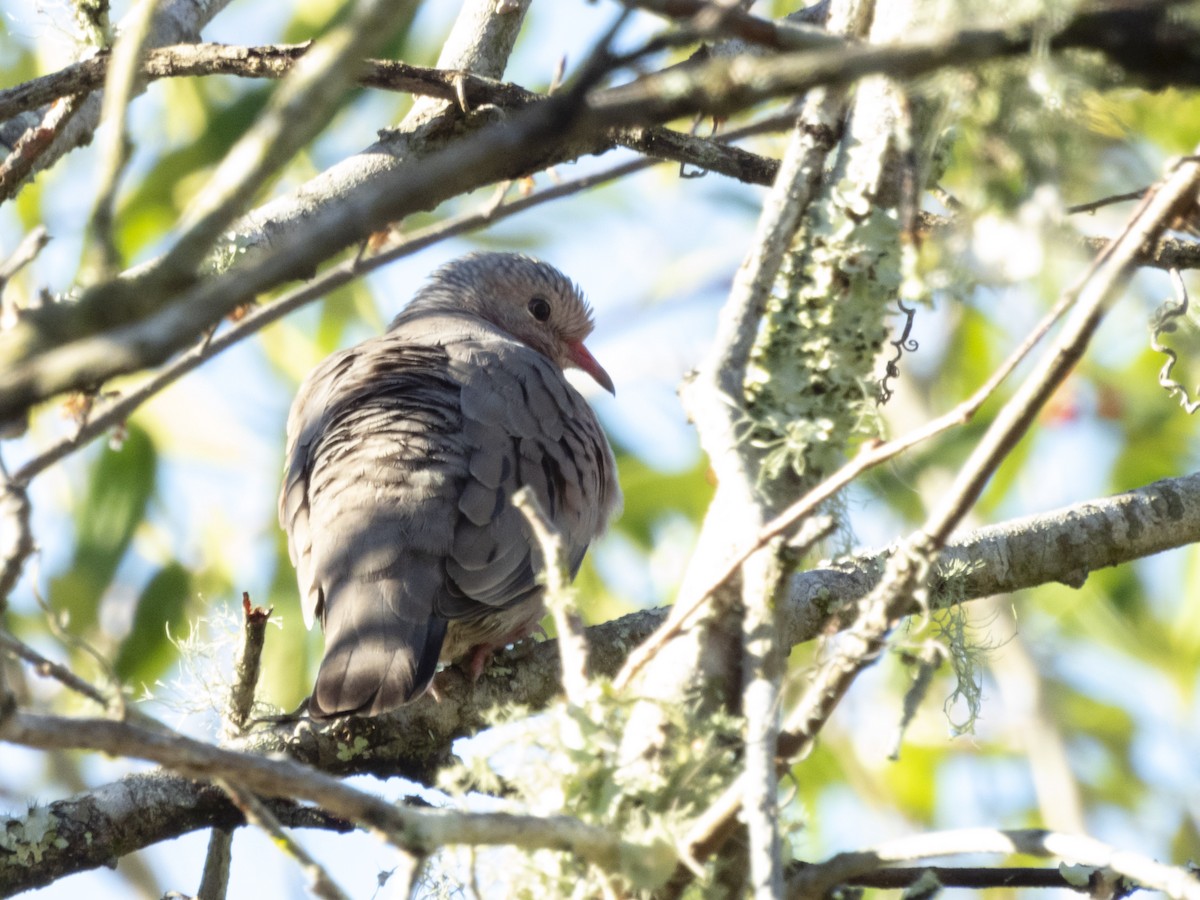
x: 581, y: 357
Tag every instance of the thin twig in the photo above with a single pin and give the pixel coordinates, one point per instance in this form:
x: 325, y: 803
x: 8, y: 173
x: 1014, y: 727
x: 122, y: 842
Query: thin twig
x: 572, y: 644
x: 786, y: 34
x: 122, y: 84
x: 320, y: 882
x: 241, y: 696
x: 1094, y: 205
x: 27, y: 251
x: 50, y: 669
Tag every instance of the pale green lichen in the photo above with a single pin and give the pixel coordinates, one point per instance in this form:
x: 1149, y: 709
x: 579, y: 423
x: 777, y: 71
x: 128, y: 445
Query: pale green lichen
x: 952, y: 626
x: 347, y: 752
x: 570, y: 759
x: 27, y: 840
x: 810, y: 385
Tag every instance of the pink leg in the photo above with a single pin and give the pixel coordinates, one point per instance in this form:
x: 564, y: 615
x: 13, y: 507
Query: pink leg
x: 480, y: 655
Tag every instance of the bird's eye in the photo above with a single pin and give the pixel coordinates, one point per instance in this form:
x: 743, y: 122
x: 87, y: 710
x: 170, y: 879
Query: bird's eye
x: 539, y: 308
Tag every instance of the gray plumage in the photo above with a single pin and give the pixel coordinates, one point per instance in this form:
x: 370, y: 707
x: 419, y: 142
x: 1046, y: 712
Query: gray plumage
x: 403, y: 456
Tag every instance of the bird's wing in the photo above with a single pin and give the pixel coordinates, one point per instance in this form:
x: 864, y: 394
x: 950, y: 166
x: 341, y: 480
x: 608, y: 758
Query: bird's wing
x: 403, y: 456
x: 523, y: 425
x: 375, y: 464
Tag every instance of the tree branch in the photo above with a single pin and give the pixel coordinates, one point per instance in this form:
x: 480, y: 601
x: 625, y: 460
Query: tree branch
x: 147, y: 321
x: 1063, y: 545
x: 410, y: 829
x: 175, y: 21
x: 1176, y: 882
x: 92, y: 829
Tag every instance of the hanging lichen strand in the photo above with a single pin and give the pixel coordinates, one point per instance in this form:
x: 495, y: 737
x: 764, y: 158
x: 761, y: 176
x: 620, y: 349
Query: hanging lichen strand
x: 810, y: 386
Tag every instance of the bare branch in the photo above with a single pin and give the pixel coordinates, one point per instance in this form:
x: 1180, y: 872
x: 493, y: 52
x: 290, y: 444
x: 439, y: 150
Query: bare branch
x: 214, y: 877
x: 50, y: 669
x: 269, y: 61
x: 92, y: 829
x: 34, y: 144
x: 177, y: 20
x: 414, y: 741
x: 788, y: 34
x: 415, y: 830
x: 31, y: 245
x: 1094, y: 205
x: 977, y: 877
x: 1175, y: 882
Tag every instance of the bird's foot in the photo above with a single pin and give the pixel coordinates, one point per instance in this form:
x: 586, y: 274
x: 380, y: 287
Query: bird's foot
x: 480, y: 655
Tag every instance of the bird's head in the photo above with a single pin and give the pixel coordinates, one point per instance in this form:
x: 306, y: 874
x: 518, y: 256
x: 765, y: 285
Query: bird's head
x: 529, y: 299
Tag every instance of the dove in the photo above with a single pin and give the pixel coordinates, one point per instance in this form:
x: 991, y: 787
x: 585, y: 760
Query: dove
x: 403, y: 455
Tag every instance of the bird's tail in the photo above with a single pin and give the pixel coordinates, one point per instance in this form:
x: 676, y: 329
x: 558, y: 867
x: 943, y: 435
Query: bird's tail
x: 375, y: 658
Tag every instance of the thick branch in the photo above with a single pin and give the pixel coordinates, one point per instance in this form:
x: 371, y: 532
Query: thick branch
x: 1176, y: 882
x: 92, y: 829
x: 1064, y: 545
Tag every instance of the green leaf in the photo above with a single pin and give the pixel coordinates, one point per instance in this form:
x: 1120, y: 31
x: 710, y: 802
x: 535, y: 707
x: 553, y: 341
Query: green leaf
x: 651, y: 495
x: 147, y: 652
x: 119, y: 487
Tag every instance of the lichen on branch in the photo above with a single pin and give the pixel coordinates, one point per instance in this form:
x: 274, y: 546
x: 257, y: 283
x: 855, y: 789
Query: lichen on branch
x: 810, y: 386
